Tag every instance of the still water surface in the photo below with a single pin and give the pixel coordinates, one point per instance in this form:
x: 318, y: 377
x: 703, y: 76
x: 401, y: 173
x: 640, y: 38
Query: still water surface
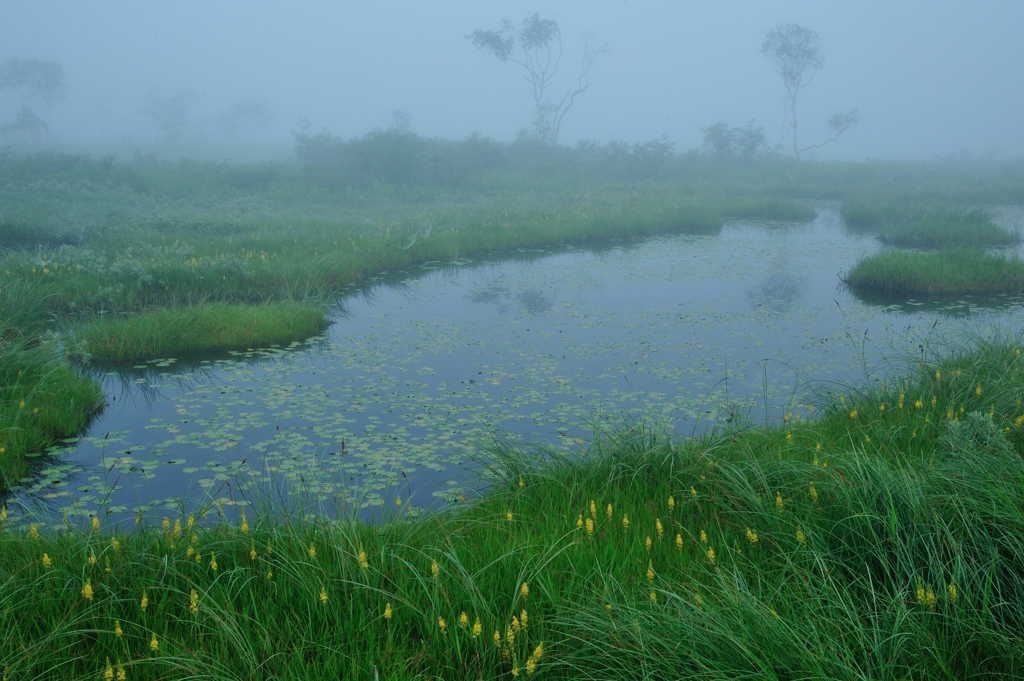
x: 421, y: 369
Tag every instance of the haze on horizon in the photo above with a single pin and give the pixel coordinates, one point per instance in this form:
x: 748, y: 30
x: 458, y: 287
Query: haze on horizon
x: 930, y: 79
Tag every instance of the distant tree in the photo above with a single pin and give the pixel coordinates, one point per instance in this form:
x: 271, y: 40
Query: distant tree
x: 535, y: 45
x: 725, y: 143
x: 169, y: 114
x: 795, y: 53
x: 32, y: 79
x: 245, y: 115
x: 26, y: 128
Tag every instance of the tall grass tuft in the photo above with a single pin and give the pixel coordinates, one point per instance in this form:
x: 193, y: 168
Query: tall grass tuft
x: 204, y: 327
x: 948, y: 228
x: 944, y: 273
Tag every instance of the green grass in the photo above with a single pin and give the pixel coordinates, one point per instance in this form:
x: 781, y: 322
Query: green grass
x: 201, y: 328
x: 42, y: 399
x: 948, y: 228
x: 823, y: 548
x: 944, y: 273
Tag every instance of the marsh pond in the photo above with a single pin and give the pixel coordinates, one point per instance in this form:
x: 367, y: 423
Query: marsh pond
x: 423, y: 370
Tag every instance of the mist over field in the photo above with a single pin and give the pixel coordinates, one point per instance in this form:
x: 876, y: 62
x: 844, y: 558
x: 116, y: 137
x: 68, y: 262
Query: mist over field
x: 235, y: 80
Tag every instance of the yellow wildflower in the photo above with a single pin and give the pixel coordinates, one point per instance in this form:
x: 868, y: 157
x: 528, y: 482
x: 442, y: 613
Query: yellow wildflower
x: 934, y: 400
x: 92, y: 558
x: 881, y: 407
x: 523, y: 619
x: 693, y: 491
x: 679, y: 542
x: 252, y: 551
x: 177, y: 528
x: 463, y: 619
x: 658, y: 529
x: 593, y: 509
x: 435, y: 569
x: 118, y: 631
x: 977, y: 391
x: 442, y: 625
x: 167, y: 525
x: 648, y: 543
x: 521, y: 481
x: 95, y: 524
x: 938, y: 376
x: 363, y: 562
x: 952, y: 592
x: 778, y: 501
x: 312, y: 550
x: 654, y: 598
x: 590, y: 527
x: 800, y: 536
x: 323, y: 594
x: 814, y: 493
x: 579, y: 521
x: 33, y: 532
x: 697, y: 600
x: 751, y: 536
x: 508, y: 516
x: 608, y: 511
x: 213, y: 562
x: 515, y: 624
x: 703, y: 537
x: 193, y: 602
x: 108, y: 673
x: 188, y: 552
x: 650, y: 571
x: 115, y: 544
x: 789, y: 436
x: 531, y: 665
x: 497, y: 638
x: 3, y: 510
x: 154, y: 645
x: 47, y: 563
x: 121, y: 674
x: 711, y: 553
x: 144, y: 601
x: 671, y: 503
x: 191, y: 521
x: 244, y: 527
x: 853, y: 413
x: 87, y: 590
x: 398, y: 500
x: 387, y: 611
x: 477, y: 628
x: 918, y: 403
x: 524, y: 591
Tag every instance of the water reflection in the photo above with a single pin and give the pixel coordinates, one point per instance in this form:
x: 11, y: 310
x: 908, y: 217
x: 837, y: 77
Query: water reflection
x: 422, y: 368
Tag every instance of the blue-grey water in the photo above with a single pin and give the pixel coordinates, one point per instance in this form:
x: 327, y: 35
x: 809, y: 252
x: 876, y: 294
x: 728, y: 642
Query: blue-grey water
x: 422, y: 369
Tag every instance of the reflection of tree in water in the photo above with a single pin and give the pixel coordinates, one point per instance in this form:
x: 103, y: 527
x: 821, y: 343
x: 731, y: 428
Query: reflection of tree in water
x: 777, y: 292
x: 533, y: 300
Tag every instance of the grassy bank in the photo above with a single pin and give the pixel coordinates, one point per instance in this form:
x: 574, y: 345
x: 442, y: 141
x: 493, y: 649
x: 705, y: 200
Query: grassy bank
x: 948, y: 228
x: 42, y: 399
x: 202, y: 328
x: 943, y: 273
x: 880, y: 540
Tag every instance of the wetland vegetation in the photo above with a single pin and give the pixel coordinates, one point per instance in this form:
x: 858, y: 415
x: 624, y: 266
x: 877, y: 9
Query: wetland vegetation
x: 875, y: 535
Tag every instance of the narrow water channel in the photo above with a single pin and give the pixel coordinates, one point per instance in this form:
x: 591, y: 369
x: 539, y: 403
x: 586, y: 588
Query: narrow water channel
x: 422, y: 369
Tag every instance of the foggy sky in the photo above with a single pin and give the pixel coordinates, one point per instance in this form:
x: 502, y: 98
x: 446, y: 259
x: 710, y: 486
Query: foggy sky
x: 931, y: 78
